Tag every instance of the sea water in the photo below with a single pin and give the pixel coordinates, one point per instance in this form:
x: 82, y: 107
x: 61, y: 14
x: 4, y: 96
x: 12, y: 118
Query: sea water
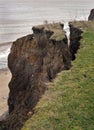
x: 18, y: 16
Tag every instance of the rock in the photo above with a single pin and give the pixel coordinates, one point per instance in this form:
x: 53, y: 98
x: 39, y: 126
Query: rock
x: 91, y: 16
x: 5, y: 97
x: 4, y: 115
x: 33, y: 61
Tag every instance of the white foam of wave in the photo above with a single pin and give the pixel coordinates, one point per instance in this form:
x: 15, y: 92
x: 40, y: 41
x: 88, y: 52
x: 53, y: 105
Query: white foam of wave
x: 67, y: 30
x: 3, y: 58
x: 5, y: 53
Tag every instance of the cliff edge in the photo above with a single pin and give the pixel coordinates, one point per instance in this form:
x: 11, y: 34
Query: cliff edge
x: 69, y: 102
x: 33, y: 61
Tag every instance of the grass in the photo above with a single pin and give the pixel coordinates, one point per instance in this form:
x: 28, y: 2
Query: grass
x: 69, y: 102
x: 59, y: 35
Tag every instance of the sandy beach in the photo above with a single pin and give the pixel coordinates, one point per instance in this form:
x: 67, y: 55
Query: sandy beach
x: 5, y: 77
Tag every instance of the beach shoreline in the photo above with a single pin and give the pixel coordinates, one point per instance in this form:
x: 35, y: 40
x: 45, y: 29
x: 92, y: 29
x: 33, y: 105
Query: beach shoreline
x: 5, y: 77
x: 4, y: 52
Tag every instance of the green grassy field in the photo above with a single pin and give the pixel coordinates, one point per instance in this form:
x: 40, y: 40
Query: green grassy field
x: 69, y: 102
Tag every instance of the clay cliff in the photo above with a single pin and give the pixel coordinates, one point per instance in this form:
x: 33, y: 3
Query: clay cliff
x: 75, y: 37
x: 33, y: 61
x: 91, y: 16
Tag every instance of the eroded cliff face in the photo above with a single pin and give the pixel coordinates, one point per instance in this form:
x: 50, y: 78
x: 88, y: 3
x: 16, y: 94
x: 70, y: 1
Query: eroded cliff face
x: 33, y: 61
x: 75, y: 37
x: 91, y: 16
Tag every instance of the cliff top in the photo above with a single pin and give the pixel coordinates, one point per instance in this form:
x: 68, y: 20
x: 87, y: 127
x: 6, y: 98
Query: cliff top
x: 83, y: 25
x: 58, y: 33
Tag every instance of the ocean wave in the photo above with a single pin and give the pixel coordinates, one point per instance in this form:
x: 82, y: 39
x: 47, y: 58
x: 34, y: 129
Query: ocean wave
x: 3, y: 58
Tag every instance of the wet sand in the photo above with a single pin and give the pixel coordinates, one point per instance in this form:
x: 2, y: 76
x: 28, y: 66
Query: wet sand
x: 5, y: 77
